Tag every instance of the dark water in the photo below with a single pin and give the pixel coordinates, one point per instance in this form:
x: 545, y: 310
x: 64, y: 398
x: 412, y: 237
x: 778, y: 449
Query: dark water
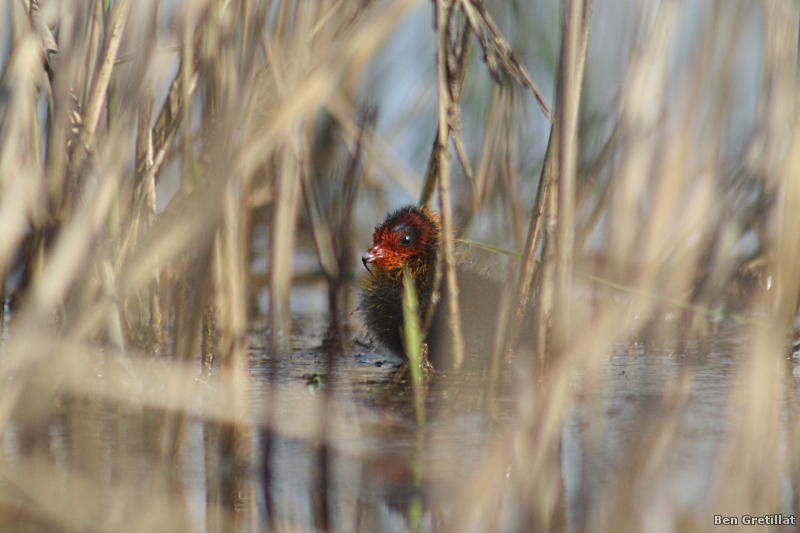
x: 384, y: 472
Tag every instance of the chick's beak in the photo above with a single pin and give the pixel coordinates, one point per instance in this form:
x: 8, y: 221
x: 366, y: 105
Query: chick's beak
x: 371, y: 255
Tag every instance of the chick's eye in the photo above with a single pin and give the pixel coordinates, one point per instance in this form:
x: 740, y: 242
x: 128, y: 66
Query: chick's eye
x: 406, y: 240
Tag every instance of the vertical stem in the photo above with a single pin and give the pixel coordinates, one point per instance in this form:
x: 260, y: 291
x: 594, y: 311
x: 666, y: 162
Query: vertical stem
x: 190, y: 175
x: 442, y: 9
x: 545, y: 303
x: 569, y: 94
x: 456, y: 82
x: 95, y: 32
x: 282, y: 237
x: 111, y: 91
x: 412, y: 341
x: 555, y: 291
x: 117, y: 19
x: 526, y: 272
x: 233, y: 350
x: 146, y: 189
x: 190, y: 303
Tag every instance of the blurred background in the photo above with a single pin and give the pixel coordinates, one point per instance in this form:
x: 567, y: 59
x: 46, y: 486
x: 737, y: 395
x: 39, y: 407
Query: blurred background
x: 186, y: 189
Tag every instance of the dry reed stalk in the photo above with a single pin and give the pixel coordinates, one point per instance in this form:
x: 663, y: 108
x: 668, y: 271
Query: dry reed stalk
x: 544, y: 510
x: 541, y: 512
x: 354, y: 176
x: 17, y: 177
x: 332, y: 230
x: 496, y: 48
x: 18, y: 130
x: 317, y: 85
x: 190, y: 305
x: 77, y: 281
x: 568, y: 95
x: 443, y: 14
x: 236, y: 439
x: 96, y: 96
x: 515, y: 299
x: 95, y: 38
x: 611, y: 321
x: 78, y: 503
x: 287, y: 194
x: 144, y: 201
x: 752, y: 465
x: 314, y: 89
x: 185, y: 227
x: 544, y: 197
x: 228, y: 444
x: 195, y: 296
x: 509, y: 180
x: 456, y: 73
x: 322, y: 234
x: 527, y: 268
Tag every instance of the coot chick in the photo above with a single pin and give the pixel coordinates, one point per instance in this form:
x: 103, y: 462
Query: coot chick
x: 409, y: 237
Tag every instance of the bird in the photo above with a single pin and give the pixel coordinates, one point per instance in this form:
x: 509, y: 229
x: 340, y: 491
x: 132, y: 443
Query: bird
x: 409, y: 239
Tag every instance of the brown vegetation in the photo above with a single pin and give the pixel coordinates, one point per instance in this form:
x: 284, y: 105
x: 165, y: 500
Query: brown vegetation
x: 144, y: 145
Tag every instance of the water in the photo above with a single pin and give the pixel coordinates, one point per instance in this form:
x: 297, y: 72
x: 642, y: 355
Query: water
x: 105, y: 464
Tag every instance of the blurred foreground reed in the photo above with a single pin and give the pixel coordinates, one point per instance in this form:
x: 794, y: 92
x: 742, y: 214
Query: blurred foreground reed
x: 156, y: 155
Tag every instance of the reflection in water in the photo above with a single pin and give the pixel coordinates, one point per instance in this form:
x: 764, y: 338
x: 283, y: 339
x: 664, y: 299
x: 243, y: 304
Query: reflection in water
x: 383, y: 472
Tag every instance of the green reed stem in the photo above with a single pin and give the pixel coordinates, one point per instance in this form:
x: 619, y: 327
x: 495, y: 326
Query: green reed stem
x: 412, y: 338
